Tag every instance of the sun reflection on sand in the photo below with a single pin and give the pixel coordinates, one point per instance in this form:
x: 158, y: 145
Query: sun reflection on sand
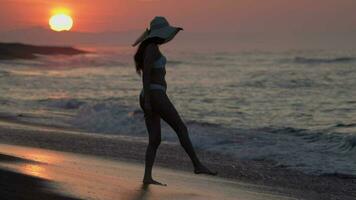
x: 35, y: 170
x: 37, y: 155
x: 41, y: 161
x: 39, y: 167
x: 43, y: 158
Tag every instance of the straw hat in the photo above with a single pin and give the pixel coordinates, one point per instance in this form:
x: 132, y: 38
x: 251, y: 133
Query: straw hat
x: 159, y: 27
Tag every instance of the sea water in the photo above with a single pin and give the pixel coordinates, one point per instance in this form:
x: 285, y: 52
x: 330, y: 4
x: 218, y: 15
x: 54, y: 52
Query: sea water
x: 296, y: 107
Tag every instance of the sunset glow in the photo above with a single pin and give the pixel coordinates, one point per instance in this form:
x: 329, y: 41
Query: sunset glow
x: 61, y: 20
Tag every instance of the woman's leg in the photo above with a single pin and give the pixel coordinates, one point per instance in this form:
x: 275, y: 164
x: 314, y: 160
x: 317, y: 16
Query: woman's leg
x: 153, y: 125
x: 170, y: 115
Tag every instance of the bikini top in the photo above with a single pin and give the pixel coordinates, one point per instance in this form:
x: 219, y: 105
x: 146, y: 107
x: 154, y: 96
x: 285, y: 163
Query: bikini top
x: 160, y: 63
x: 158, y: 73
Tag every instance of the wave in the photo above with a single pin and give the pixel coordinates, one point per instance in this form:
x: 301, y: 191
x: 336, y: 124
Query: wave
x: 348, y: 143
x: 62, y: 103
x: 296, y: 148
x: 304, y: 60
x: 339, y: 175
x: 111, y: 116
x: 345, y: 125
x: 4, y: 73
x: 331, y: 140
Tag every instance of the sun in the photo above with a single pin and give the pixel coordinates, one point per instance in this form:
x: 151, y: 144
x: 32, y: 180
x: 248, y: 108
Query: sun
x: 61, y: 22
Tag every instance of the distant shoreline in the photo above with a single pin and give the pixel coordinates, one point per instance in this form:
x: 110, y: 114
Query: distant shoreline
x: 11, y: 51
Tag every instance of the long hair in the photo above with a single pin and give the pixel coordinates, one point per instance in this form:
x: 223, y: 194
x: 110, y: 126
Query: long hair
x: 140, y: 53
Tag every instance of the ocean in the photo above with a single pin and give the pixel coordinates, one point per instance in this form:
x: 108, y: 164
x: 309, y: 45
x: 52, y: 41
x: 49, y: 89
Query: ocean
x: 296, y: 108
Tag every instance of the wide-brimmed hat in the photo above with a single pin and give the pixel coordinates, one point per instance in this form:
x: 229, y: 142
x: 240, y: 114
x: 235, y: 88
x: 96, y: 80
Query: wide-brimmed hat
x: 159, y: 27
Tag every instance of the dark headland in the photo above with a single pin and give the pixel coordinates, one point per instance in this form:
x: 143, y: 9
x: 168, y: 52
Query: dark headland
x: 10, y: 51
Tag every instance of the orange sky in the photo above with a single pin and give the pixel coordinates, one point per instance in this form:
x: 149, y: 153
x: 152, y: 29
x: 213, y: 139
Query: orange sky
x: 196, y: 15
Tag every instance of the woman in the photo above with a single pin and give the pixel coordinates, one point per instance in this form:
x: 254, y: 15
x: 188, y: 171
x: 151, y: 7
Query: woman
x: 153, y: 98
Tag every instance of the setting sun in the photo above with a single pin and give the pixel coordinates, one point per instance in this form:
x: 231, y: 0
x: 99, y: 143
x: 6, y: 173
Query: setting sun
x: 61, y: 22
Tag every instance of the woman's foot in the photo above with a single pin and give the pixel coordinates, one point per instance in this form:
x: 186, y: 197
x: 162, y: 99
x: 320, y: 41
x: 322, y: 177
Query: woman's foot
x: 150, y: 181
x: 204, y: 170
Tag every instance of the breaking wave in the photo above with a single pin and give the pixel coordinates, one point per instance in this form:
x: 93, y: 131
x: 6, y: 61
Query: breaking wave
x: 304, y: 60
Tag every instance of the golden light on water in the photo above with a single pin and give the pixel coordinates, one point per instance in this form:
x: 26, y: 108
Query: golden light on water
x: 61, y: 20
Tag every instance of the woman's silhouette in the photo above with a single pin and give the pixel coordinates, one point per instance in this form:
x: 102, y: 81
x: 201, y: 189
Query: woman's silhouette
x: 153, y: 99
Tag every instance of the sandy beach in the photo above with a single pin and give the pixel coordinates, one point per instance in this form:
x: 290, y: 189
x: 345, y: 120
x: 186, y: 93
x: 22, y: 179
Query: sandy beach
x: 64, y: 164
x: 58, y: 175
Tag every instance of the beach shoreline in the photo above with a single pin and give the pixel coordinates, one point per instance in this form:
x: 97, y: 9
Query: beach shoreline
x: 263, y: 173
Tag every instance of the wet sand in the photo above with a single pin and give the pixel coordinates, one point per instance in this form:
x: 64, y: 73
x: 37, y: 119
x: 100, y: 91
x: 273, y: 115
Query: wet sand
x: 238, y: 177
x: 33, y: 173
x: 16, y: 183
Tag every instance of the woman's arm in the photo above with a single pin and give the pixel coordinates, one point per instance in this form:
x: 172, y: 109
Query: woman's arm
x: 151, y: 53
